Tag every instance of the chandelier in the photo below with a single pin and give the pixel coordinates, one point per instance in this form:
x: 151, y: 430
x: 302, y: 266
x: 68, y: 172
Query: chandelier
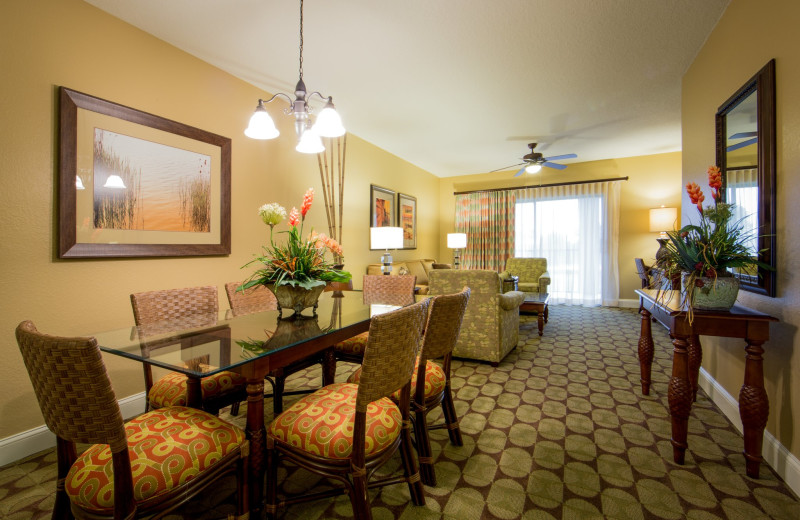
x: 328, y: 123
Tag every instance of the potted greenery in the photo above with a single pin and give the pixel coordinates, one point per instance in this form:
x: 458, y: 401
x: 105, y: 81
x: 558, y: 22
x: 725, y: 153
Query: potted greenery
x: 297, y: 271
x: 705, y: 255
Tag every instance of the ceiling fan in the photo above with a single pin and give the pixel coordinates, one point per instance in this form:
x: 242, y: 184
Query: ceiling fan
x: 752, y: 137
x: 534, y: 161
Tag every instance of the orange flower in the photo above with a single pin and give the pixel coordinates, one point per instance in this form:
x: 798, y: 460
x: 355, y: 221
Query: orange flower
x: 308, y: 198
x: 294, y: 217
x: 715, y: 180
x: 695, y: 195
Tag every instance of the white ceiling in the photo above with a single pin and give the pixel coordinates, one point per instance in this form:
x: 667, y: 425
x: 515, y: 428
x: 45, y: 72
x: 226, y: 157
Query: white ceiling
x: 460, y: 87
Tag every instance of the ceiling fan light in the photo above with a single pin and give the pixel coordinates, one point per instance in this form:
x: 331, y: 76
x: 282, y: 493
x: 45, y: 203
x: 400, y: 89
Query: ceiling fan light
x: 114, y: 181
x: 310, y: 143
x: 329, y: 124
x: 261, y: 125
x: 533, y: 168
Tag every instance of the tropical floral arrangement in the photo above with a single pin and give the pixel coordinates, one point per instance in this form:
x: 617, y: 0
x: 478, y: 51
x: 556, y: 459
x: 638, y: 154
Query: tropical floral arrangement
x: 300, y: 262
x: 714, y: 246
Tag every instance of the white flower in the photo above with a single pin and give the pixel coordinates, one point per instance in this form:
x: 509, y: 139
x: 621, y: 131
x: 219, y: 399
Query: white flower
x: 272, y: 213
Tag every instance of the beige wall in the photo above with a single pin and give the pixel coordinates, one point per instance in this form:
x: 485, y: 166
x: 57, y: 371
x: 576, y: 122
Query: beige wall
x: 745, y: 39
x: 51, y: 43
x: 653, y: 180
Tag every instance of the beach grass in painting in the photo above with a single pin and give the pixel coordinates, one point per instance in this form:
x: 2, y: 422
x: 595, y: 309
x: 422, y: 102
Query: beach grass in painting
x: 166, y: 188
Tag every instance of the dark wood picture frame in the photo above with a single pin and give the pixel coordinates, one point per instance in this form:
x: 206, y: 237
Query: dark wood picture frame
x: 216, y: 242
x: 407, y: 219
x: 381, y: 213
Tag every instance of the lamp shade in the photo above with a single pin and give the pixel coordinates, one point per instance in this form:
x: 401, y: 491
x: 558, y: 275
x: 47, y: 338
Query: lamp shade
x: 456, y: 240
x: 386, y: 238
x: 310, y: 143
x: 533, y: 168
x: 663, y: 219
x: 114, y: 181
x: 329, y: 124
x: 261, y: 125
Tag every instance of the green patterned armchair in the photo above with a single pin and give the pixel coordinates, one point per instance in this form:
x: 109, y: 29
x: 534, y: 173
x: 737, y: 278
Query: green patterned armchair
x: 490, y: 328
x: 532, y: 272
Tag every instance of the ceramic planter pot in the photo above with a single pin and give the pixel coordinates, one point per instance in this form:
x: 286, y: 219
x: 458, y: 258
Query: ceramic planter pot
x: 716, y: 294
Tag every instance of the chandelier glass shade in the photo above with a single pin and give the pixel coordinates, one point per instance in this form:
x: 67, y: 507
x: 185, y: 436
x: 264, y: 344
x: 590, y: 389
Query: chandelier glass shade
x: 328, y: 123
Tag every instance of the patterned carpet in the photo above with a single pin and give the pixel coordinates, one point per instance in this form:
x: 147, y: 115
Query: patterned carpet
x: 559, y: 430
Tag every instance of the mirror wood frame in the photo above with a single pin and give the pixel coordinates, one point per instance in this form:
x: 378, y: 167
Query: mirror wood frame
x: 763, y: 84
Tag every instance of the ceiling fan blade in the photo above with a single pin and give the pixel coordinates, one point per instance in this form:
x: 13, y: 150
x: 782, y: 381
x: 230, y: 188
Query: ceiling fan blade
x: 559, y: 157
x: 506, y: 168
x: 521, y: 171
x: 554, y: 165
x: 742, y: 135
x: 742, y: 144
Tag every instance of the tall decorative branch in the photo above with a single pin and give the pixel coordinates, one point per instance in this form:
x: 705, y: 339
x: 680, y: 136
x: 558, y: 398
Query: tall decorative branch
x: 331, y: 173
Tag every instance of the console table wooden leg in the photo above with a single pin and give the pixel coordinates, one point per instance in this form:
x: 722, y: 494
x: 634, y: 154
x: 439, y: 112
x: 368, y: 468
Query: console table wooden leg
x: 695, y: 360
x: 645, y: 351
x: 256, y: 432
x: 753, y: 406
x: 680, y: 398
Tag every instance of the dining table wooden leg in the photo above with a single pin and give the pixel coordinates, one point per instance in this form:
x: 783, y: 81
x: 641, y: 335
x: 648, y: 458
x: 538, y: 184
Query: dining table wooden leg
x: 257, y: 434
x: 753, y: 407
x: 645, y: 351
x: 680, y: 397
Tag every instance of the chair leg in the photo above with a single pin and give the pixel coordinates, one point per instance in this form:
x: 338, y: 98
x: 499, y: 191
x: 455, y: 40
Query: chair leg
x: 66, y: 456
x: 359, y: 498
x: 235, y: 409
x: 243, y: 499
x: 277, y: 394
x: 410, y: 466
x: 271, y: 507
x: 424, y: 448
x: 451, y: 419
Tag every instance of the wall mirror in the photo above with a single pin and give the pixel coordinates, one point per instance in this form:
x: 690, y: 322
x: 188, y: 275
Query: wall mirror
x: 746, y: 152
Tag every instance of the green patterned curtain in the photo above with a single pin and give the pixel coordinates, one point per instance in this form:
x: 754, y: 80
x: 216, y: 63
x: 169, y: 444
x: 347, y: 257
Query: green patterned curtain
x: 488, y: 220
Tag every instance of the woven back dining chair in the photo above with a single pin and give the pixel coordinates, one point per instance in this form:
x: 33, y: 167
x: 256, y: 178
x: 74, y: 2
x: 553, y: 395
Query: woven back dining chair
x: 153, y: 309
x: 259, y: 299
x: 362, y: 426
x: 430, y: 385
x: 380, y: 289
x: 147, y: 467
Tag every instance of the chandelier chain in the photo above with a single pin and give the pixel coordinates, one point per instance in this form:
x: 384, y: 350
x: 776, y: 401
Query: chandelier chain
x: 301, y: 39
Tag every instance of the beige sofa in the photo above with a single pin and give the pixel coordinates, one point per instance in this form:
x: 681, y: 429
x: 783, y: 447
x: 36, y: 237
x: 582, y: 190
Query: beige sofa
x: 418, y: 268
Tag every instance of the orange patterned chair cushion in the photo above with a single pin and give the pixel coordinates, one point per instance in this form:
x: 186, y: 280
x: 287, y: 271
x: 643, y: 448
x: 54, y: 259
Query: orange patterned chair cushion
x: 170, y: 390
x: 322, y: 423
x: 167, y: 448
x: 435, y: 380
x: 355, y: 345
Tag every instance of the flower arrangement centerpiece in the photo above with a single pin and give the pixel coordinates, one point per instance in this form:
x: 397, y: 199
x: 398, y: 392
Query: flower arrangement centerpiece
x: 706, y: 253
x: 297, y: 271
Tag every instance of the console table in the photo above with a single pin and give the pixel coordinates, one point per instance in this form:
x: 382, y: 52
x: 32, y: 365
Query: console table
x: 739, y: 322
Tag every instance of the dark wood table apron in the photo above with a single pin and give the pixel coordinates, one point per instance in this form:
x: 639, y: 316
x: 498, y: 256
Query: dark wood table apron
x: 339, y: 317
x: 739, y: 322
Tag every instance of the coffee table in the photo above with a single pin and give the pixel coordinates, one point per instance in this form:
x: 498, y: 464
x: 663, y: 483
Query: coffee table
x: 537, y: 302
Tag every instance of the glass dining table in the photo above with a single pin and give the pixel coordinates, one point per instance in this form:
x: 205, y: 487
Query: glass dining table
x: 252, y: 345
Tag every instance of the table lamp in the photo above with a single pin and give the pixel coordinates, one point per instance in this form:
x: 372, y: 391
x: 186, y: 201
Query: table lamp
x: 457, y: 241
x: 386, y: 238
x: 662, y: 220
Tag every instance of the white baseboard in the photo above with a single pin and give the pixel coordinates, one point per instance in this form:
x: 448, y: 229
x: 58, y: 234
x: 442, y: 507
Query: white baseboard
x: 775, y: 454
x: 629, y: 304
x: 39, y: 439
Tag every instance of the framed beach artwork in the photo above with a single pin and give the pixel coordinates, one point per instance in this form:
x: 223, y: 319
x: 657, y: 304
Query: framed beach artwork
x: 381, y: 208
x: 407, y: 219
x: 135, y: 184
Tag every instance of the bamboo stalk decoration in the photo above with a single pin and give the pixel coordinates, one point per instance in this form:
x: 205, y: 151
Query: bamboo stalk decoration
x: 331, y: 172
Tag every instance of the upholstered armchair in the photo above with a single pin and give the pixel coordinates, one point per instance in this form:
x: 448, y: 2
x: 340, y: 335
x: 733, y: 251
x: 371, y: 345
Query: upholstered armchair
x: 532, y: 272
x: 490, y: 328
